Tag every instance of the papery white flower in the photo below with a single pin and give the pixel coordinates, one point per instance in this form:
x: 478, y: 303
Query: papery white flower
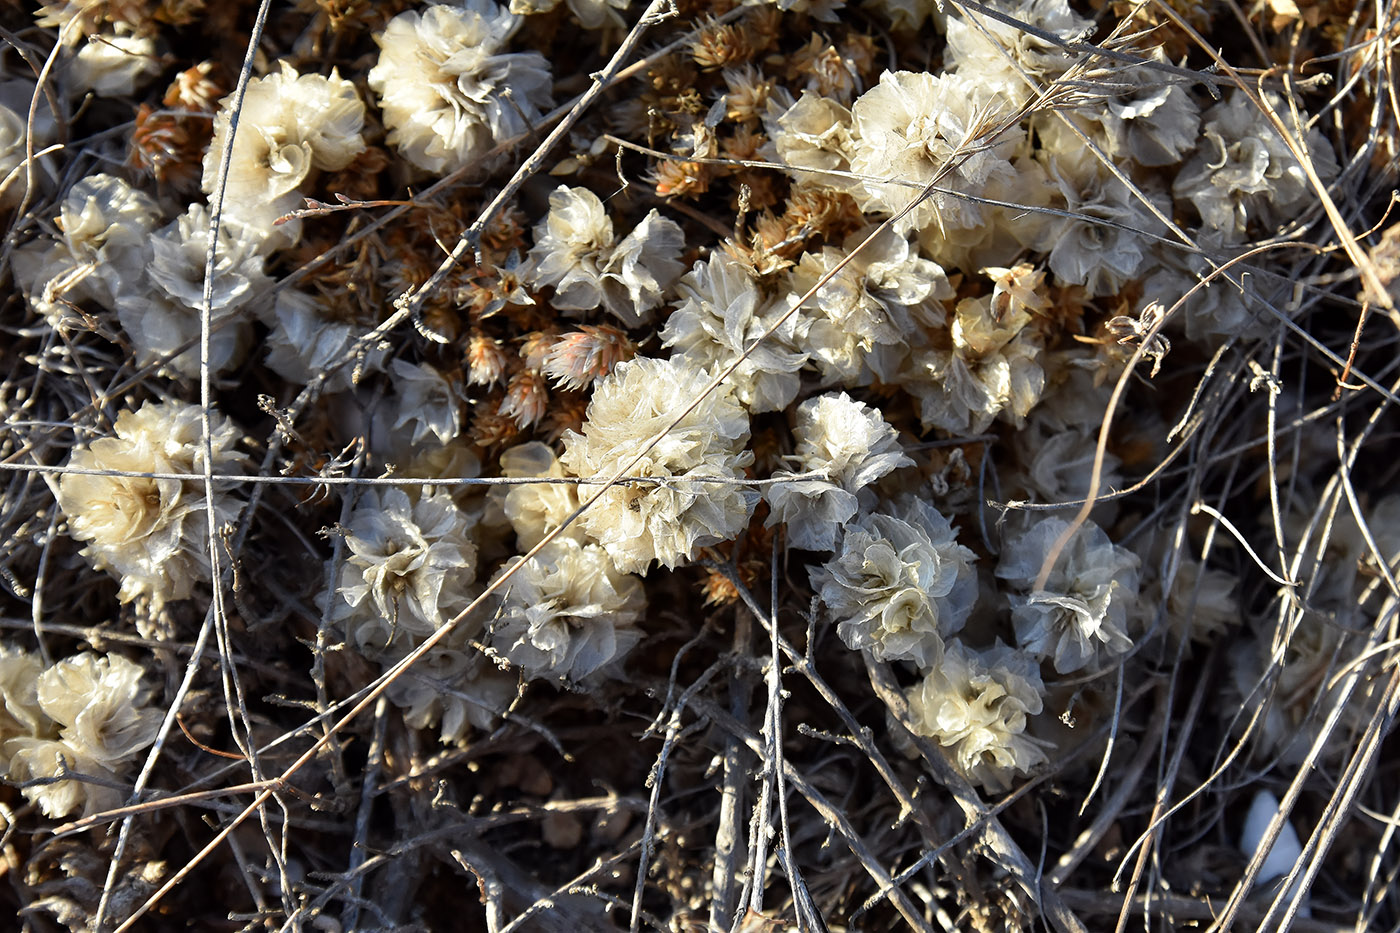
x: 667, y: 520
x: 1202, y: 603
x: 151, y: 534
x: 409, y: 566
x: 884, y: 297
x: 290, y: 124
x: 1005, y: 234
x: 424, y: 404
x: 852, y: 446
x: 724, y: 311
x: 115, y: 64
x: 1139, y: 113
x: 20, y: 714
x: 912, y: 129
x: 99, y: 702
x: 1244, y: 176
x: 812, y: 133
x: 995, y: 59
x: 975, y: 704
x: 576, y: 252
x: 567, y: 614
x: 1080, y: 619
x: 34, y: 759
x: 179, y: 253
x: 304, y: 341
x: 106, y: 226
x: 590, y: 14
x: 537, y: 509
x: 992, y: 370
x: 166, y: 314
x: 1102, y: 257
x: 899, y: 583
x: 98, y: 708
x: 442, y: 79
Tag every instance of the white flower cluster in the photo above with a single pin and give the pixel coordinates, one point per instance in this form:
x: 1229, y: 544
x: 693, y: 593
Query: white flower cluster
x: 448, y: 90
x: 168, y: 317
x: 724, y: 311
x: 536, y: 509
x: 1011, y: 61
x: 1080, y: 619
x: 410, y: 566
x: 851, y: 446
x: 976, y: 704
x: 114, y: 252
x: 105, y: 227
x: 1143, y: 116
x: 991, y: 370
x: 113, y: 64
x: 567, y: 615
x: 668, y: 515
x: 409, y: 569
x: 86, y: 716
x: 578, y: 255
x: 151, y: 533
x: 913, y: 129
x: 290, y: 126
x: 1106, y: 249
x: 899, y: 584
x: 1244, y: 176
x: 425, y: 408
x: 861, y: 321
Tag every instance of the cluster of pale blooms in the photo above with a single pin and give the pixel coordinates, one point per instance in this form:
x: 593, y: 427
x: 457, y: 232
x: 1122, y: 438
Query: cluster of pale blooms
x: 947, y: 311
x: 72, y: 728
x: 140, y: 501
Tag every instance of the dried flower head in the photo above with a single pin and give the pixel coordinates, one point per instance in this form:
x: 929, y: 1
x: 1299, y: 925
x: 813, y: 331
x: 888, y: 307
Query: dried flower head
x: 567, y: 614
x: 114, y: 64
x: 289, y: 125
x: 669, y: 516
x: 410, y: 566
x: 448, y: 89
x: 86, y: 715
x: 151, y: 533
x: 486, y: 360
x: 899, y: 583
x: 580, y: 357
x: 976, y: 704
x: 536, y: 509
x: 1009, y: 60
x: 1244, y: 176
x: 912, y: 129
x: 526, y: 399
x: 723, y: 313
x: 851, y: 446
x: 100, y: 706
x: 880, y: 303
x: 720, y: 45
x: 1081, y: 617
x: 578, y: 255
